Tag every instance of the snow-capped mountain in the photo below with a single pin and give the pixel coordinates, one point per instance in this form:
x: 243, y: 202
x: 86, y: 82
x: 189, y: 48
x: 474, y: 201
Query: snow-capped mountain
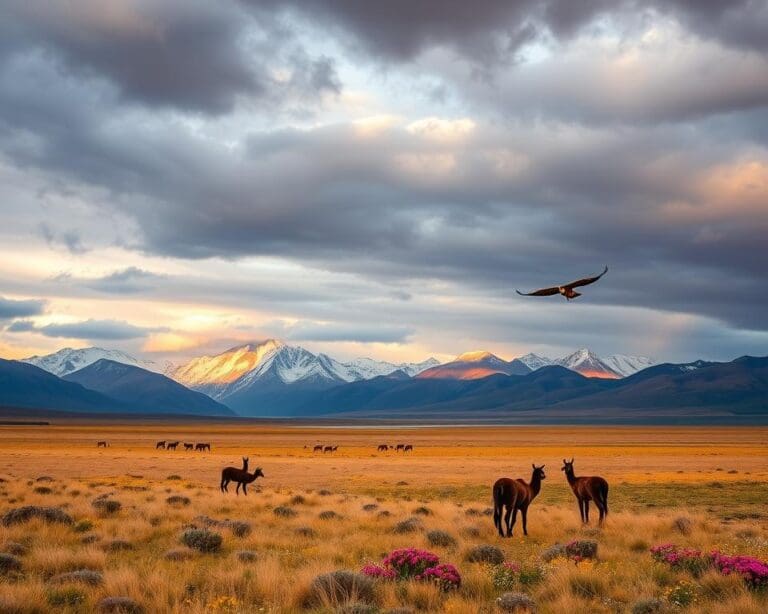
x: 534, y: 361
x: 474, y: 365
x: 241, y: 367
x: 68, y: 360
x: 628, y: 365
x: 589, y: 364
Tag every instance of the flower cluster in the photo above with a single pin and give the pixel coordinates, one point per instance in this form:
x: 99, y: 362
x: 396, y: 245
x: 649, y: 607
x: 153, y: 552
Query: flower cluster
x: 682, y: 594
x: 412, y: 563
x: 752, y: 570
x: 372, y: 570
x: 445, y: 575
x: 409, y: 562
x: 688, y: 559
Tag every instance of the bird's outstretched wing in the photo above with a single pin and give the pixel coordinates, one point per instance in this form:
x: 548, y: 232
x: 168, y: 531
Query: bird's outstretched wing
x: 542, y: 292
x: 586, y: 281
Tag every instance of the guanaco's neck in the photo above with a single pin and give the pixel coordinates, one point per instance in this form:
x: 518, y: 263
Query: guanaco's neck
x: 535, y: 484
x: 570, y: 476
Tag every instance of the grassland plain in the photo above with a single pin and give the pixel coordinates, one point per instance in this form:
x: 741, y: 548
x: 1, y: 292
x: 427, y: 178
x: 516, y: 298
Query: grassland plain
x: 705, y: 488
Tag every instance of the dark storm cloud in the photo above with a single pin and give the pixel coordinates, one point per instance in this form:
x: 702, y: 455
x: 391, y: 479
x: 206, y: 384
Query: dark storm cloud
x: 486, y: 30
x: 187, y: 54
x: 113, y: 330
x: 10, y: 308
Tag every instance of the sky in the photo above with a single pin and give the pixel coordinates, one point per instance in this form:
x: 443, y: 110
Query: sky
x: 376, y: 179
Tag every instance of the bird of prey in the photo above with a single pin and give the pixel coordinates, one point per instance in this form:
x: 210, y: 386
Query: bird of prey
x: 567, y: 289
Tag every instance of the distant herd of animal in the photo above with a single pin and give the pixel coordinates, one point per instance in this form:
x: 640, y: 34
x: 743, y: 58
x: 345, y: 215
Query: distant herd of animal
x: 509, y: 495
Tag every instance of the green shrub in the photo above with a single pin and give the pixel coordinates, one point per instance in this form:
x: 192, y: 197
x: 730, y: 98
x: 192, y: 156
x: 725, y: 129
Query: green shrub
x: 202, y: 540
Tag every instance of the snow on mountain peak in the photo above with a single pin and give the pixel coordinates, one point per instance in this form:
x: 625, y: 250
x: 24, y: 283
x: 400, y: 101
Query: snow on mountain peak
x: 69, y: 360
x: 534, y: 361
x: 228, y: 366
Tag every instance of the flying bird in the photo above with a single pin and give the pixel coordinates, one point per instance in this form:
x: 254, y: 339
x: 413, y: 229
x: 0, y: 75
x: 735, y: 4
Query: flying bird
x: 566, y: 290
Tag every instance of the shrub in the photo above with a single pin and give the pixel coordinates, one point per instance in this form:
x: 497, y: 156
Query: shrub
x: 106, y: 507
x: 324, y: 492
x: 178, y: 500
x: 682, y: 525
x: 370, y: 507
x: 518, y: 603
x: 553, y: 552
x: 202, y: 540
x: 9, y: 564
x: 410, y: 562
x: 178, y: 554
x: 328, y: 515
x: 306, y: 532
x: 339, y: 588
x: 357, y: 608
x: 239, y: 528
x: 119, y: 605
x: 580, y: 549
x: 82, y: 526
x: 284, y: 512
x: 648, y: 606
x: 43, y: 490
x: 173, y: 477
x: 423, y: 511
x: 247, y: 556
x: 82, y: 576
x: 441, y: 538
x: 485, y: 553
x: 298, y: 500
x: 45, y: 478
x: 26, y: 513
x: 686, y: 559
x: 410, y: 525
x: 753, y: 571
x: 446, y: 576
x: 68, y: 597
x: 117, y: 545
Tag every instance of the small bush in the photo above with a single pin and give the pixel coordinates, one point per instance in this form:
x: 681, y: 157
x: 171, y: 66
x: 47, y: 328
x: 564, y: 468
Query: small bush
x: 519, y: 603
x: 117, y: 545
x: 9, y: 564
x: 306, y: 532
x: 178, y: 500
x: 580, y: 549
x: 485, y: 553
x: 553, y: 552
x: 370, y: 507
x: 43, y: 490
x: 239, y: 528
x: 247, y: 556
x: 80, y: 576
x: 178, y: 554
x: 202, y: 540
x: 410, y: 525
x: 173, y: 477
x: 106, y: 507
x: 119, y: 605
x: 423, y: 511
x: 67, y: 597
x: 682, y: 594
x: 89, y: 539
x: 328, y: 515
x: 324, y: 492
x: 26, y: 513
x: 82, y: 526
x: 45, y: 478
x: 682, y: 525
x: 441, y: 538
x: 284, y: 512
x: 298, y: 500
x: 339, y: 588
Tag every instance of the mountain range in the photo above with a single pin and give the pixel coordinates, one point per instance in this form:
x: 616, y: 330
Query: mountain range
x: 271, y: 378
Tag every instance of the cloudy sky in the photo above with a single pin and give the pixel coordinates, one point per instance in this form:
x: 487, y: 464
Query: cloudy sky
x: 377, y: 178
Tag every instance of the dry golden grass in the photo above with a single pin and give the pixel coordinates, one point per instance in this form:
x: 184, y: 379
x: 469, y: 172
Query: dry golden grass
x: 450, y: 473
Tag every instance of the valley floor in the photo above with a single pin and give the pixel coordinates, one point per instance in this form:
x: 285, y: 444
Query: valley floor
x: 714, y: 479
